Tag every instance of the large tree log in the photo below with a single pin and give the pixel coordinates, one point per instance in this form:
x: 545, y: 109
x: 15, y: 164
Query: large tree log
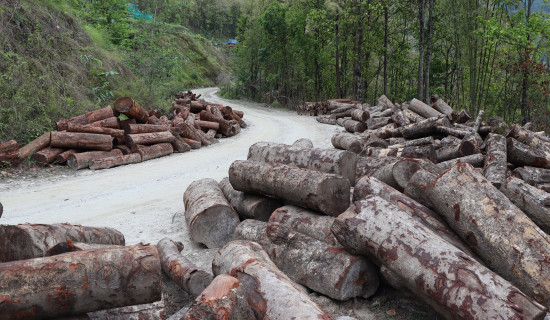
x: 460, y: 133
x: 150, y: 138
x: 354, y: 126
x: 475, y: 160
x: 148, y: 311
x: 112, y: 122
x: 110, y: 162
x: 495, y: 167
x: 450, y: 281
x: 115, y: 133
x: 325, y: 160
x: 326, y: 120
x: 376, y: 142
x: 79, y: 282
x: 249, y: 206
x: 424, y: 128
x: 390, y: 130
x: 360, y: 115
x: 404, y: 169
x: 503, y: 236
x: 415, y: 142
x: 194, y: 144
x: 346, y: 141
x: 529, y: 138
x: 46, y: 155
x: 180, y: 145
x: 413, y: 116
x: 343, y: 114
x: 225, y: 298
x: 316, y: 190
x: 81, y: 160
x: 462, y: 149
x: 154, y: 151
x: 208, y: 214
x: 10, y: 158
x: 79, y: 140
x: 10, y: 146
x: 533, y: 175
x: 462, y: 117
x: 441, y: 106
x: 92, y: 116
x: 225, y: 128
x: 36, y: 145
x: 423, y: 109
x: 523, y: 155
x: 69, y: 246
x: 134, y: 128
x: 131, y: 109
x: 184, y: 272
x: 312, y: 263
x: 270, y: 293
x: 375, y: 123
x: 208, y: 124
x: 26, y: 241
x: 366, y: 166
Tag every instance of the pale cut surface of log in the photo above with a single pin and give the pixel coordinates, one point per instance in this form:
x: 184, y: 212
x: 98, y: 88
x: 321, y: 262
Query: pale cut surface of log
x: 110, y: 162
x: 209, y: 216
x: 81, y: 160
x: 303, y: 143
x: 154, y: 151
x: 475, y: 160
x: 423, y: 109
x: 79, y: 282
x: 184, y: 272
x: 533, y: 175
x: 36, y: 145
x: 132, y: 109
x: 149, y: 138
x: 315, y: 264
x: 249, y: 206
x: 270, y: 293
x: 495, y: 168
x: 535, y: 203
x: 325, y: 192
x: 347, y: 141
x: 225, y: 298
x: 92, y: 116
x: 27, y: 241
x: 450, y: 281
x: 522, y: 155
x: 494, y: 228
x: 46, y: 155
x: 80, y: 140
x: 338, y: 162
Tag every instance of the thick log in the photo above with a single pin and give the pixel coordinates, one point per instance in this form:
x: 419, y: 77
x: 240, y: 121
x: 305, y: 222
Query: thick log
x: 152, y: 120
x: 270, y: 293
x: 209, y: 216
x: 10, y: 146
x: 185, y: 273
x: 249, y: 206
x: 328, y: 193
x: 225, y: 128
x: 69, y: 246
x: 346, y: 141
x: 11, y: 159
x: 208, y: 124
x: 463, y: 148
x: 529, y: 138
x: 230, y: 114
x: 415, y: 142
x: 303, y: 143
x: 115, y: 133
x: 404, y: 169
x: 385, y: 113
x: 194, y: 144
x: 312, y: 263
x: 366, y: 166
x: 112, y: 122
x: 82, y: 160
x: 225, y: 298
x: 154, y: 151
x: 450, y: 281
x: 338, y: 162
x: 134, y: 128
x: 79, y: 282
x: 63, y: 156
x: 441, y: 106
x: 36, y: 145
x: 475, y: 160
x: 376, y: 142
x: 326, y: 120
x: 92, y: 116
x: 479, y: 119
x: 110, y: 162
x: 423, y: 109
x: 522, y: 155
x: 335, y: 104
x: 150, y: 138
x: 46, y: 155
x: 424, y: 152
x: 26, y: 241
x: 375, y: 123
x: 79, y: 140
x: 149, y: 311
x: 131, y: 109
x: 180, y: 145
x: 360, y: 115
x: 387, y: 131
x: 533, y: 175
x: 500, y: 233
x: 354, y: 126
x: 239, y: 113
x: 400, y: 118
x: 462, y: 117
x: 344, y: 114
x: 494, y: 168
x: 423, y: 128
x: 343, y: 109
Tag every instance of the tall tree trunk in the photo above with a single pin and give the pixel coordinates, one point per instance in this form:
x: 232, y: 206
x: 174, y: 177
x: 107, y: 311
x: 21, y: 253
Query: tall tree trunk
x: 359, y: 51
x: 386, y: 18
x: 337, y: 58
x: 428, y: 51
x: 420, y: 50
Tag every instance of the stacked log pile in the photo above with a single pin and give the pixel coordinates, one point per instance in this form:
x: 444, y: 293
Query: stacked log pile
x: 100, y: 140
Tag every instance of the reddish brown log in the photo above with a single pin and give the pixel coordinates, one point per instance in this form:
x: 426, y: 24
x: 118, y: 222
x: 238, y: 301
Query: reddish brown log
x: 475, y: 160
x: 26, y: 241
x: 495, y: 168
x: 150, y: 138
x: 11, y: 159
x: 180, y: 145
x: 115, y: 133
x: 153, y: 151
x: 440, y: 274
x: 208, y: 124
x: 110, y: 162
x: 184, y: 272
x: 144, y: 128
x: 424, y: 128
x: 270, y: 293
x: 152, y: 120
x: 36, y: 145
x: 303, y: 143
x: 197, y: 106
x: 79, y: 140
x: 112, y: 122
x: 226, y: 127
x: 79, y: 282
x: 46, y: 155
x: 192, y: 143
x: 1, y: 209
x: 209, y: 216
x: 81, y: 160
x: 205, y: 139
x: 423, y: 109
x: 346, y: 141
x: 92, y: 116
x: 63, y: 156
x: 529, y: 138
x: 533, y: 175
x: 523, y: 155
x: 328, y: 193
x: 239, y: 113
x: 131, y: 109
x: 9, y: 147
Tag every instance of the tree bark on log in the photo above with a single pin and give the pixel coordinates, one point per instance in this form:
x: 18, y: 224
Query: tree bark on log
x: 194, y: 144
x: 225, y: 126
x: 69, y: 246
x: 375, y: 142
x: 10, y: 146
x: 63, y: 156
x: 92, y: 116
x: 360, y: 115
x: 415, y: 142
x: 441, y: 106
x: 533, y: 175
x: 153, y: 151
x: 494, y: 168
x: 123, y: 148
x: 423, y: 109
x: 326, y: 120
x: 354, y: 126
x: 81, y: 160
x: 46, y: 155
x: 131, y: 109
x: 462, y: 117
x: 27, y: 241
x: 346, y: 141
x: 375, y: 123
x: 180, y: 269
x: 338, y: 162
x: 479, y: 120
x: 115, y: 133
x: 423, y: 128
x: 460, y: 133
x: 303, y: 143
x: 344, y: 114
x: 462, y: 149
x: 150, y: 138
x: 134, y: 128
x: 79, y: 282
x: 110, y: 162
x: 501, y: 234
x: 249, y: 206
x: 79, y: 140
x: 387, y: 131
x: 180, y: 145
x: 450, y: 281
x: 270, y: 293
x: 404, y: 169
x: 328, y: 193
x: 209, y: 216
x: 522, y: 155
x: 112, y: 122
x: 313, y: 263
x: 529, y: 138
x: 475, y: 160
x: 208, y: 124
x: 413, y: 116
x: 148, y: 311
x: 366, y: 166
x: 36, y: 145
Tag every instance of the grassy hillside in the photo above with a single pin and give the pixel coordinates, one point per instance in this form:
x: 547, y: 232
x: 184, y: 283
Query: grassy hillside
x: 57, y: 63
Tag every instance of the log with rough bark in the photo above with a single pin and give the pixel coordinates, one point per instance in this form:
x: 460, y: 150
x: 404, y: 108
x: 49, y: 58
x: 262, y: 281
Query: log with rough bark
x: 328, y: 193
x: 90, y: 117
x: 69, y: 246
x: 36, y: 145
x: 148, y: 311
x: 115, y: 133
x: 82, y: 160
x: 180, y: 145
x: 131, y: 109
x: 110, y: 162
x: 326, y: 120
x: 79, y: 282
x: 501, y: 234
x: 63, y: 156
x: 134, y: 128
x: 194, y: 144
x: 184, y: 272
x: 354, y: 126
x: 346, y: 141
x: 123, y: 148
x: 463, y: 148
x: 462, y: 117
x: 112, y: 122
x: 209, y: 216
x: 226, y: 126
x: 376, y: 142
x: 360, y: 115
x: 208, y: 124
x: 11, y: 158
x: 149, y: 138
x: 26, y: 241
x: 344, y: 114
x: 399, y: 118
x: 390, y: 130
x: 450, y: 281
x: 475, y: 160
x: 424, y: 128
x: 415, y: 142
x: 312, y: 263
x: 533, y: 175
x: 46, y: 155
x: 494, y: 168
x: 10, y: 146
x: 80, y: 140
x: 225, y: 298
x: 404, y: 169
x: 423, y: 109
x: 479, y: 120
x: 249, y: 206
x: 375, y: 123
x: 522, y: 155
x: 460, y: 133
x: 303, y: 143
x: 413, y: 116
x: 338, y: 162
x: 154, y: 151
x: 270, y: 293
x: 441, y: 106
x: 529, y: 138
x: 366, y: 166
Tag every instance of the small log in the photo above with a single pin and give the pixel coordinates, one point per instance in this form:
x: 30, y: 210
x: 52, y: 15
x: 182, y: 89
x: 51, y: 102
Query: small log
x: 479, y: 119
x: 209, y: 216
x: 343, y: 109
x: 375, y: 142
x: 92, y: 116
x: 366, y: 166
x: 134, y: 128
x: 180, y: 145
x: 326, y: 120
x: 385, y: 113
x: 225, y: 298
x: 63, y: 156
x: 303, y: 143
x: 400, y: 118
x: 27, y: 241
x: 462, y: 117
x: 423, y: 128
x: 438, y: 273
x: 36, y: 145
x: 475, y: 160
x: 152, y: 120
x: 270, y: 293
x: 249, y: 206
x: 110, y: 162
x: 328, y: 193
x: 79, y: 282
x: 115, y: 133
x: 112, y: 122
x: 522, y: 155
x: 404, y: 169
x: 180, y: 269
x: 192, y: 143
x: 495, y: 168
x: 197, y: 106
x: 239, y: 113
x: 154, y: 151
x: 150, y: 138
x: 344, y: 114
x: 46, y: 155
x: 208, y: 125
x: 354, y: 126
x: 461, y: 149
x: 460, y: 133
x: 10, y: 146
x: 79, y: 140
x: 390, y: 130
x: 359, y: 115
x: 533, y: 175
x: 131, y: 109
x: 346, y: 141
x: 375, y: 123
x: 415, y: 142
x: 529, y: 138
x: 423, y: 109
x: 225, y: 128
x: 82, y: 160
x: 441, y: 106
x: 413, y: 116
